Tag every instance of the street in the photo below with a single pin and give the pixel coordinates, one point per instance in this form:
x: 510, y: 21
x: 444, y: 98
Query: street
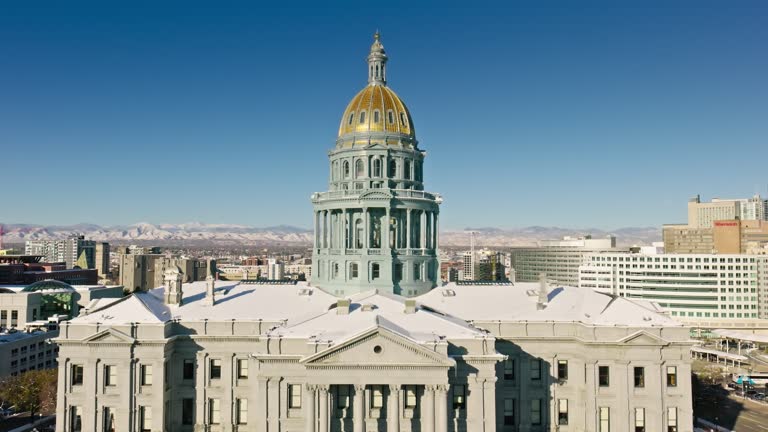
x: 732, y: 412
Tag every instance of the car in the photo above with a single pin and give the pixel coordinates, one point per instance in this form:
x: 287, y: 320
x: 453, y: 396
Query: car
x: 6, y: 412
x: 759, y: 396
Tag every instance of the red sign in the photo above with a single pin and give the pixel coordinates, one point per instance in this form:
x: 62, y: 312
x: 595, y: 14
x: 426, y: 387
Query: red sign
x: 726, y: 223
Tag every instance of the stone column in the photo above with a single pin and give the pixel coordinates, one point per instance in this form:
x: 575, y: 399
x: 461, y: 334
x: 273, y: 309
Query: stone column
x: 393, y: 408
x: 423, y: 234
x: 408, y: 229
x: 259, y: 417
x: 310, y: 418
x: 317, y: 227
x: 475, y: 404
x: 273, y: 408
x: 358, y: 409
x: 489, y: 397
x: 436, y: 233
x: 441, y: 408
x: 332, y: 230
x: 323, y: 407
x: 428, y: 410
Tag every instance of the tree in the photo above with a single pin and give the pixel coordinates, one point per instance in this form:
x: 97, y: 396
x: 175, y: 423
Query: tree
x: 33, y: 391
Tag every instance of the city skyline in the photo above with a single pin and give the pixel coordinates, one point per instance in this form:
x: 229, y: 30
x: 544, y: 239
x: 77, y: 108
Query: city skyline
x: 141, y: 111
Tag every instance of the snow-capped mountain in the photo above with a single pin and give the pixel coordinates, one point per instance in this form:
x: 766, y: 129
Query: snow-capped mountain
x: 195, y: 232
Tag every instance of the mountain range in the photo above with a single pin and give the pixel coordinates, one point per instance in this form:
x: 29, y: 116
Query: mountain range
x: 195, y: 233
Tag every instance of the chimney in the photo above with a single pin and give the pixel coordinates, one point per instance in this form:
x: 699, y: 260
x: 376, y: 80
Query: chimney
x: 210, y: 293
x: 410, y: 306
x: 173, y: 291
x: 342, y: 306
x: 543, y: 299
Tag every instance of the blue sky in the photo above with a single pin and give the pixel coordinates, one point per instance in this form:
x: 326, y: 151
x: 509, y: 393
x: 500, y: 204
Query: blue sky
x: 572, y: 114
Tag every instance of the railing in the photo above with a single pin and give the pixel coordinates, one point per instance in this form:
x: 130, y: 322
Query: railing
x: 374, y: 251
x: 354, y: 193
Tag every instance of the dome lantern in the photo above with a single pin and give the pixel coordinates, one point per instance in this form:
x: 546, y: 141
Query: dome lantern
x: 377, y: 62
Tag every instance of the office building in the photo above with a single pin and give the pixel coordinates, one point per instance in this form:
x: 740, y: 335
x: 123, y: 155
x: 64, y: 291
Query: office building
x: 102, y: 259
x: 68, y: 251
x: 697, y: 288
x: 559, y: 259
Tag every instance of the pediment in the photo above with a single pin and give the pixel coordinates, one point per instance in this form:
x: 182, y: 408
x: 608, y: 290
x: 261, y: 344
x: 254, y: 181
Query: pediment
x: 378, y: 347
x: 643, y: 338
x: 375, y: 194
x: 110, y: 336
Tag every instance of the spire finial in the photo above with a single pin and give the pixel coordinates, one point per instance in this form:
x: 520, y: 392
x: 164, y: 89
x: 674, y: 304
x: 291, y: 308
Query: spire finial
x: 377, y: 61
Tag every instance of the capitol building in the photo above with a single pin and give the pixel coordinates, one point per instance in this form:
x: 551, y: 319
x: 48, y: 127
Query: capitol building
x: 375, y: 342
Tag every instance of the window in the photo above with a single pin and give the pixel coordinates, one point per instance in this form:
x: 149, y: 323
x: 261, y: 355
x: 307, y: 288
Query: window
x: 241, y: 411
x: 294, y: 396
x: 335, y: 270
x: 189, y: 369
x: 562, y: 370
x: 351, y: 117
x: 108, y: 419
x: 342, y: 396
x: 604, y: 376
x: 346, y: 169
x: 459, y: 396
x: 509, y: 369
x: 604, y: 423
x: 215, y: 368
x: 359, y: 168
x: 377, y: 396
x: 407, y: 170
x: 402, y: 118
x: 410, y: 396
x: 562, y: 411
x: 362, y: 117
x: 376, y: 168
x: 145, y: 419
x: 639, y: 419
x: 376, y: 116
x: 509, y: 412
x: 398, y: 276
x: 146, y: 375
x: 535, y: 411
x: 671, y: 419
x: 77, y: 375
x: 639, y: 376
x: 188, y: 411
x: 535, y: 369
x: 76, y: 419
x: 417, y: 271
x: 353, y: 272
x: 359, y: 234
x: 214, y: 411
x: 392, y: 169
x: 391, y: 117
x: 242, y: 368
x: 671, y: 376
x: 110, y: 375
x: 374, y: 271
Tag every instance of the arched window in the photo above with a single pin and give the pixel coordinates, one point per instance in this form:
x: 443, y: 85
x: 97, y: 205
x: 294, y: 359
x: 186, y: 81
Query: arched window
x: 359, y: 168
x: 391, y: 117
x: 376, y: 116
x: 351, y: 117
x: 402, y: 118
x: 353, y: 271
x: 375, y: 271
x: 407, y: 170
x: 392, y: 169
x: 346, y: 169
x: 417, y: 271
x: 362, y: 117
x: 376, y: 168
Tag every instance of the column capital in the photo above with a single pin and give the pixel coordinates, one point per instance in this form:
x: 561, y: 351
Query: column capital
x: 394, y: 387
x: 441, y: 387
x: 323, y: 387
x: 359, y: 387
x: 310, y: 387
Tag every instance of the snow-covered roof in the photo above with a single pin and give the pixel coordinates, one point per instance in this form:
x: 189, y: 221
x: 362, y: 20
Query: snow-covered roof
x: 372, y: 309
x: 518, y: 302
x: 306, y: 310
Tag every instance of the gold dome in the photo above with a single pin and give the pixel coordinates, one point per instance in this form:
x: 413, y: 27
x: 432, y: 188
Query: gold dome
x: 377, y: 108
x: 376, y: 115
